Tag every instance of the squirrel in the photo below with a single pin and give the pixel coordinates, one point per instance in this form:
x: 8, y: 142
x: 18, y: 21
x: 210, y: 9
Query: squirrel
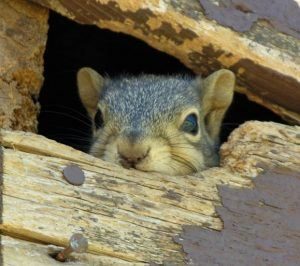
x: 156, y: 123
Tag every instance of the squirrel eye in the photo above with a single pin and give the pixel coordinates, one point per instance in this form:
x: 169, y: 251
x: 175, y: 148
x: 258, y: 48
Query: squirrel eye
x: 190, y: 124
x: 98, y: 119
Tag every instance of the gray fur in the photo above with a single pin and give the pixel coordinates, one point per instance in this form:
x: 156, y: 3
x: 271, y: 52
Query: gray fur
x: 138, y: 103
x: 144, y: 119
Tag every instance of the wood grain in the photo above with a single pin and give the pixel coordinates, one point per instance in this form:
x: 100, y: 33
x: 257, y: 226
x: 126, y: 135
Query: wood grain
x: 128, y: 216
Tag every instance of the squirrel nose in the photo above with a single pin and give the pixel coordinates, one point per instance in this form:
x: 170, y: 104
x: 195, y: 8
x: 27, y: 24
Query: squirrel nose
x: 129, y: 158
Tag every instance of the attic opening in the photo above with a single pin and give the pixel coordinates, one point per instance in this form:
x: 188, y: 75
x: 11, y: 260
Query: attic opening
x: 71, y: 46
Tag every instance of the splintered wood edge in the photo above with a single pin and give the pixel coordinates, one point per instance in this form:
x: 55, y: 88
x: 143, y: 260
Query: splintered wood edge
x: 255, y: 144
x: 126, y: 214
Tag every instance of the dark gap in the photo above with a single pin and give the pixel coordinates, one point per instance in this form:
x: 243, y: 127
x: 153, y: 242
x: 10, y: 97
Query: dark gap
x: 242, y: 110
x: 71, y: 46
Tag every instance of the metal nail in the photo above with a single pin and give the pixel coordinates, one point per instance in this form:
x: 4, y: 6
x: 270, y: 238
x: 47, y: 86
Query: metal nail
x: 78, y: 243
x: 74, y: 175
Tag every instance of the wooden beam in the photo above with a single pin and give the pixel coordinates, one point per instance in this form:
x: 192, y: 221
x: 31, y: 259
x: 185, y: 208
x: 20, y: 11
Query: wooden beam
x: 129, y: 216
x: 265, y: 60
x: 23, y: 36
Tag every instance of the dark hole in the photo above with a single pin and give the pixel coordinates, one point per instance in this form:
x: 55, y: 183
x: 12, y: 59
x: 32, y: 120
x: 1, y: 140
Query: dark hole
x: 243, y: 110
x: 54, y: 255
x: 71, y: 46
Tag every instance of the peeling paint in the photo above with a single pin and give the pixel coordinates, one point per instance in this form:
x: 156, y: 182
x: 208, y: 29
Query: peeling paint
x: 241, y: 14
x: 261, y: 225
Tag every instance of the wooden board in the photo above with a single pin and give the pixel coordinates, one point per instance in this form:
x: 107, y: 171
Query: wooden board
x: 265, y: 59
x: 129, y: 217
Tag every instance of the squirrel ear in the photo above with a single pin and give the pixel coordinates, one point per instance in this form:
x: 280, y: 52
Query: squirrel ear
x: 89, y: 84
x: 216, y: 96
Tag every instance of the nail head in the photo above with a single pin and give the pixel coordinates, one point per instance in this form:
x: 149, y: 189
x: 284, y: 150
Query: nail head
x: 74, y: 175
x: 78, y: 243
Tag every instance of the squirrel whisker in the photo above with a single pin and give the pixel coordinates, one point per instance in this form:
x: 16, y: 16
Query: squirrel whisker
x: 184, y: 162
x: 66, y: 115
x: 59, y: 106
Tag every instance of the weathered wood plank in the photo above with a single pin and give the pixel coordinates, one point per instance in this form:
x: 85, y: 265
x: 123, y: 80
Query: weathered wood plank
x: 130, y: 217
x: 127, y: 215
x: 265, y: 61
x: 23, y: 36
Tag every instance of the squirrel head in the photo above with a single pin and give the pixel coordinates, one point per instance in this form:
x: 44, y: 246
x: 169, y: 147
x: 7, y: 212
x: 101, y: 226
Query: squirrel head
x: 165, y: 124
